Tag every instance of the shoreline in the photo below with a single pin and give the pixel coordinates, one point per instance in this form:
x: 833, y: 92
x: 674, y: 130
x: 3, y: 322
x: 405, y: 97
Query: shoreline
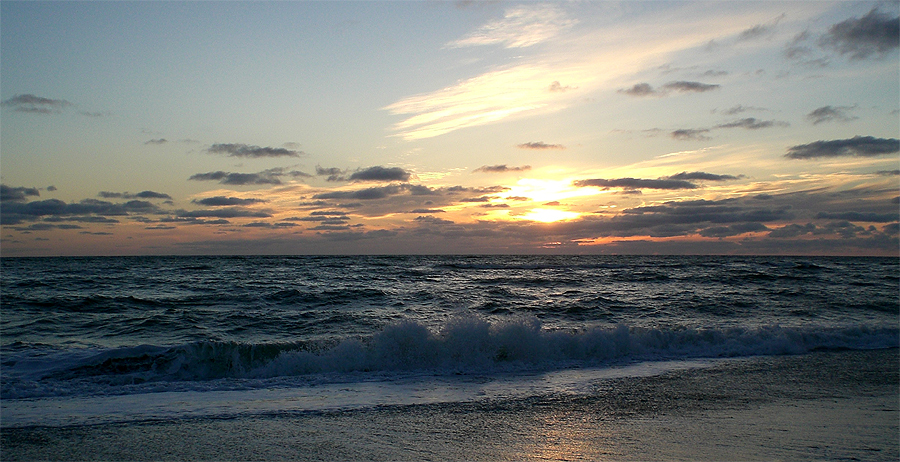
x: 823, y: 405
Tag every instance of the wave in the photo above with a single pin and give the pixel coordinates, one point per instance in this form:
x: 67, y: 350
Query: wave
x: 462, y: 345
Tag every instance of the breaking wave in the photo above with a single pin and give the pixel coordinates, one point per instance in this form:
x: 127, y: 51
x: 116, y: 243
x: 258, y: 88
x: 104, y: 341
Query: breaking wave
x: 462, y: 345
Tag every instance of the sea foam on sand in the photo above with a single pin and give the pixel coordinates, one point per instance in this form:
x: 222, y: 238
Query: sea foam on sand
x: 822, y: 405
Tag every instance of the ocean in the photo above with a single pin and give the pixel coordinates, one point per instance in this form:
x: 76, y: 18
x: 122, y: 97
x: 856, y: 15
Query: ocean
x: 445, y: 357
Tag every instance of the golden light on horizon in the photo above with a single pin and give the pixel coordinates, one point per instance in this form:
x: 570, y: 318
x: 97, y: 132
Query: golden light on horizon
x: 542, y: 190
x: 549, y: 215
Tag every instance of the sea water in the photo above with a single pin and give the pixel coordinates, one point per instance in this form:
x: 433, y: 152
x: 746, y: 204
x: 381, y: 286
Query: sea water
x: 130, y: 339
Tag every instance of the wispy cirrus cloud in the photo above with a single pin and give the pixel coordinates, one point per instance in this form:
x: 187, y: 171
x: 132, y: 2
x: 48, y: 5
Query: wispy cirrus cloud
x: 521, y: 26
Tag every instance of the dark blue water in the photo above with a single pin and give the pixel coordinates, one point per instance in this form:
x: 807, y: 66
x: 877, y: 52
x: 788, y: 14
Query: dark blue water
x: 126, y: 326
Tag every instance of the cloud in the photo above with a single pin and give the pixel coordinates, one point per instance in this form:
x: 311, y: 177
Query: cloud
x: 157, y: 141
x: 685, y: 87
x: 752, y: 123
x: 15, y: 212
x: 875, y: 33
x: 639, y: 89
x: 867, y: 217
x: 244, y: 150
x: 858, y: 146
x: 759, y: 30
x: 749, y: 123
x: 236, y: 178
x: 379, y: 173
x: 18, y: 194
x: 733, y: 230
x: 539, y: 145
x: 690, y: 134
x: 363, y: 194
x: 521, y: 26
x: 740, y: 108
x: 635, y: 183
x: 270, y: 176
x: 687, y: 176
x: 234, y: 212
x: 35, y: 104
x: 830, y: 113
x: 140, y: 195
x: 220, y: 201
x: 682, y: 86
x: 501, y: 169
x: 556, y: 87
x: 333, y: 173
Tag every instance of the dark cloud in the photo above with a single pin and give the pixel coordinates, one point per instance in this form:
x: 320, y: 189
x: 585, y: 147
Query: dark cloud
x: 270, y: 176
x: 379, y: 173
x: 694, y: 87
x: 858, y: 146
x: 733, y: 230
x: 740, y: 108
x: 687, y: 176
x: 244, y: 150
x: 635, y: 183
x: 157, y: 141
x: 866, y: 217
x: 15, y: 212
x: 236, y: 178
x: 829, y: 114
x: 751, y: 123
x: 426, y: 211
x: 539, y: 145
x: 373, y: 193
x: 477, y: 199
x: 221, y: 201
x: 501, y: 169
x: 140, y: 195
x: 888, y: 172
x: 639, y: 89
x: 35, y: 104
x: 234, y: 212
x: 876, y: 33
x: 333, y: 174
x: 17, y: 194
x: 697, y: 134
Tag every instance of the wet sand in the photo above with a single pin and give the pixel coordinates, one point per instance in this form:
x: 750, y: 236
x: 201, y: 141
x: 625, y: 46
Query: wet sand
x: 822, y: 406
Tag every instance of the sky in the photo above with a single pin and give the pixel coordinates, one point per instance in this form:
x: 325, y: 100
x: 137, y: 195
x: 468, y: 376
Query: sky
x: 424, y: 127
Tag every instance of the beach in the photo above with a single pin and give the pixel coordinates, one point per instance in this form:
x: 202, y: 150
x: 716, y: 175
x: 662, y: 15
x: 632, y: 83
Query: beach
x: 828, y: 405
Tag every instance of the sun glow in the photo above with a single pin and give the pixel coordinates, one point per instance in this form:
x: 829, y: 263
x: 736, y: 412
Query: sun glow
x: 549, y: 215
x: 542, y: 191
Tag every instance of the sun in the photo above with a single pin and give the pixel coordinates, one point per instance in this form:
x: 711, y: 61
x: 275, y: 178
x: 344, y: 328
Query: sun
x: 549, y: 215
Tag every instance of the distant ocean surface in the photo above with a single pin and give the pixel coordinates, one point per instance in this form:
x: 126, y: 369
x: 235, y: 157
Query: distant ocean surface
x: 123, y: 339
